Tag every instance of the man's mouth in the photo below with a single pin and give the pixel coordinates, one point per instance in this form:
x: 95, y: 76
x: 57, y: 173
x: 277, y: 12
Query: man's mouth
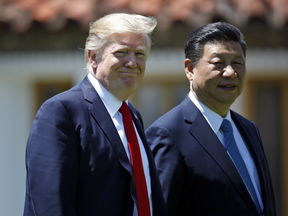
x: 129, y: 72
x: 228, y: 86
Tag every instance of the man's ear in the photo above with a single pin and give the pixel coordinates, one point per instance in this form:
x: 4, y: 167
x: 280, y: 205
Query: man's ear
x: 189, y: 66
x: 92, y: 58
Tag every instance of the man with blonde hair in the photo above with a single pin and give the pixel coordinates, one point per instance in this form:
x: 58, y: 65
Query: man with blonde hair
x: 87, y: 153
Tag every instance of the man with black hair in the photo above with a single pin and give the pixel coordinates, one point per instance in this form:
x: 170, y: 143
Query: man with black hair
x: 210, y: 159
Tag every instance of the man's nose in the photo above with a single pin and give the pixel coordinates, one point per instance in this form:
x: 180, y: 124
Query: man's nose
x: 229, y: 71
x: 131, y: 60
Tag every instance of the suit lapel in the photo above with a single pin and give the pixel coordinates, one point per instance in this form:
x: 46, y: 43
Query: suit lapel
x: 142, y: 135
x: 249, y: 133
x: 104, y: 121
x: 203, y: 133
x: 157, y: 197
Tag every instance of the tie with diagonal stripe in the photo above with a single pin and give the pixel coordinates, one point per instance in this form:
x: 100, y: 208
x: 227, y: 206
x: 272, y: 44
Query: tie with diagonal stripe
x: 237, y: 159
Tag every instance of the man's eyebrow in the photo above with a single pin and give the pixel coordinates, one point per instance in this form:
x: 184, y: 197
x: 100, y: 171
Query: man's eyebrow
x: 121, y: 47
x: 141, y: 48
x: 216, y: 54
x: 125, y: 47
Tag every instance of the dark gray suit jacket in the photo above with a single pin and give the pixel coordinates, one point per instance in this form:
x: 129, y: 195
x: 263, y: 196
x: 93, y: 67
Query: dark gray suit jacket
x: 76, y: 162
x: 197, y: 175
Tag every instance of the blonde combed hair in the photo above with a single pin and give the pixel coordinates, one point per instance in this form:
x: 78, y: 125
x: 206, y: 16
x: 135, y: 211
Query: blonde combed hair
x: 118, y: 23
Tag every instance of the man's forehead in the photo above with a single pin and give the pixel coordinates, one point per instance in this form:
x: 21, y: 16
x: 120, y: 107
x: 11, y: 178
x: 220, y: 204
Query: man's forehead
x: 223, y: 47
x: 125, y: 44
x: 123, y: 36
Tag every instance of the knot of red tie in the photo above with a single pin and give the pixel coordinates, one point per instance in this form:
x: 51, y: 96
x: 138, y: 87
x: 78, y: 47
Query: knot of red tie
x: 124, y: 108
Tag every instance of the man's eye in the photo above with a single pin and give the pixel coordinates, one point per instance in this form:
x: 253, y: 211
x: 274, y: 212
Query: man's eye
x: 120, y: 53
x: 140, y: 55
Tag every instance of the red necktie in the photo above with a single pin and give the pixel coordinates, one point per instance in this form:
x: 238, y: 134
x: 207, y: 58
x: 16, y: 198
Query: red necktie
x: 136, y: 160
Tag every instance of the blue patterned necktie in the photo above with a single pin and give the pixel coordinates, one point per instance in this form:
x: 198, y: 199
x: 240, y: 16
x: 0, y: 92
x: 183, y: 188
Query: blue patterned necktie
x: 234, y: 153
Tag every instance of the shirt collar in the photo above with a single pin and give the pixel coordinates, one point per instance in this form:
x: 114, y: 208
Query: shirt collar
x: 213, y: 119
x: 111, y: 103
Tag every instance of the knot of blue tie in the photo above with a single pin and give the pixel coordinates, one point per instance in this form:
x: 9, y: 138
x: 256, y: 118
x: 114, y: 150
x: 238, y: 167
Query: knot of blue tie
x: 226, y: 126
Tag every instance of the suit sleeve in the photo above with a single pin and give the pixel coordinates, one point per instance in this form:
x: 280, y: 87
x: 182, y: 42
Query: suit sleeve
x: 271, y: 205
x: 52, y: 162
x: 169, y: 164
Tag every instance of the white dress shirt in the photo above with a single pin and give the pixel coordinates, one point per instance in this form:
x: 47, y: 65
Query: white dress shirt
x: 112, y: 105
x: 215, y: 121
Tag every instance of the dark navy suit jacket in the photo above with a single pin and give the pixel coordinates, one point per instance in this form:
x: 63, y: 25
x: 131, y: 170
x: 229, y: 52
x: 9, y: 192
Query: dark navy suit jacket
x: 197, y: 175
x: 76, y: 162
